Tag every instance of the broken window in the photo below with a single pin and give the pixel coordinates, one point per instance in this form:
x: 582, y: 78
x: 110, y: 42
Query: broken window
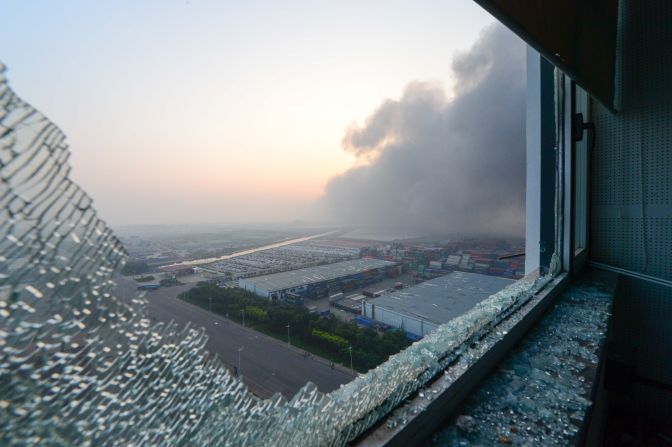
x: 80, y: 367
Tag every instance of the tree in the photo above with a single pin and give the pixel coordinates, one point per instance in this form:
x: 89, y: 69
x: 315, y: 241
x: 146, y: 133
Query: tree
x: 135, y: 268
x: 327, y: 336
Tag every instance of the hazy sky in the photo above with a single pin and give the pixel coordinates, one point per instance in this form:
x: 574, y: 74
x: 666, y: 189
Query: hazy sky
x: 443, y: 164
x: 206, y: 111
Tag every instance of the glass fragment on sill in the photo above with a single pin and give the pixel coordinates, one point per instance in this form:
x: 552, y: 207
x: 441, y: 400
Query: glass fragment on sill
x: 539, y: 393
x: 80, y: 367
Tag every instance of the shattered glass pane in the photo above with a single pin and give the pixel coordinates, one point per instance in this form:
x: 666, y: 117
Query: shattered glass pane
x: 80, y: 367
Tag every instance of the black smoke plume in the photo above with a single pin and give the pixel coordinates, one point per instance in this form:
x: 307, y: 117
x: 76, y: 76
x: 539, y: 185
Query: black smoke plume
x: 441, y: 164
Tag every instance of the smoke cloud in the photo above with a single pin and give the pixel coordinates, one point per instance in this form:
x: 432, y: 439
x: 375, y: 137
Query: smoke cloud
x: 444, y: 165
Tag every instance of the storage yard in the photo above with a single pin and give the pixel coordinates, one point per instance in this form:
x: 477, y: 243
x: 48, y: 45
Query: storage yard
x: 497, y: 257
x: 321, y: 281
x: 290, y: 257
x: 420, y: 309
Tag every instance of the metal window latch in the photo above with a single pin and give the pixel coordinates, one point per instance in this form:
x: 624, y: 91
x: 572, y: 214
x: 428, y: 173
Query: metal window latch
x: 578, y: 126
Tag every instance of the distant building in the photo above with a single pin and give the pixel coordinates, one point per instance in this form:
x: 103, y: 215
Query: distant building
x: 453, y: 260
x: 418, y: 310
x: 177, y: 270
x: 436, y: 265
x: 324, y: 280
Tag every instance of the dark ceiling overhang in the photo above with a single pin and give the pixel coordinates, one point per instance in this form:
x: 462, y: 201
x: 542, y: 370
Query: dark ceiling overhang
x: 577, y: 36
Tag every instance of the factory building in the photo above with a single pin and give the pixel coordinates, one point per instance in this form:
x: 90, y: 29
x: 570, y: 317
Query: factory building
x: 418, y: 310
x: 315, y: 282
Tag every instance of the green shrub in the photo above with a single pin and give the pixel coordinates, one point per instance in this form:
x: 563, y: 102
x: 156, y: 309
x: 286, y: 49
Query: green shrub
x: 134, y: 268
x: 328, y: 337
x: 256, y: 313
x: 339, y: 342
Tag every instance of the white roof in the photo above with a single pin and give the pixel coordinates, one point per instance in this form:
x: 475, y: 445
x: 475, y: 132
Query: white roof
x: 312, y: 275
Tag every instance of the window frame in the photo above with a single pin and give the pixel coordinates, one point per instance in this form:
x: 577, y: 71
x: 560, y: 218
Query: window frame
x: 580, y: 151
x: 551, y: 163
x: 540, y: 206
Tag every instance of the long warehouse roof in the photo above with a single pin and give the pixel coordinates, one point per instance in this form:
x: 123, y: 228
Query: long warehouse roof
x: 312, y: 275
x: 441, y: 299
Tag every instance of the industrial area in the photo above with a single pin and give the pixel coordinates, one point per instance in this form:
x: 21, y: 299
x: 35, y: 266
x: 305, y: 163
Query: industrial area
x: 281, y: 259
x: 297, y: 286
x: 385, y: 288
x: 412, y: 285
x: 420, y: 309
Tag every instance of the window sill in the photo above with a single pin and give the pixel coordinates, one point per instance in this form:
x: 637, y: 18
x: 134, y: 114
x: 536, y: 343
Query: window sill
x: 426, y: 411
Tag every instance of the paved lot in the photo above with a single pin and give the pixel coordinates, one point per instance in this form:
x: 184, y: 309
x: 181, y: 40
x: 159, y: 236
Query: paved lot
x: 267, y: 365
x: 387, y: 283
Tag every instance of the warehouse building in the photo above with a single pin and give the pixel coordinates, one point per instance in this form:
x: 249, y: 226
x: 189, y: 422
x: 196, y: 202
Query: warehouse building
x: 316, y: 282
x: 420, y: 309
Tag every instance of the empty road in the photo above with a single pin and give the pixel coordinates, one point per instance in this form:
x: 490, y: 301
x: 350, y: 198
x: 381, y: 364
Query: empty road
x: 267, y: 365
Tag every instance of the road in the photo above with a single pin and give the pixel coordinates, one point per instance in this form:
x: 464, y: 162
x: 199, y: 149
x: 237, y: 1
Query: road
x: 267, y: 365
x: 252, y: 250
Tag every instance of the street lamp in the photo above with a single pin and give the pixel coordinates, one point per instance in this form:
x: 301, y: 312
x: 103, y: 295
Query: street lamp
x: 210, y: 303
x: 288, y: 340
x: 350, y: 349
x: 243, y: 317
x: 239, y: 350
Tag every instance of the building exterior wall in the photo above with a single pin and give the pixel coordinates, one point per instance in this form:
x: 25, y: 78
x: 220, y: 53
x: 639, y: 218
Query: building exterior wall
x: 409, y: 323
x: 243, y: 284
x: 323, y: 288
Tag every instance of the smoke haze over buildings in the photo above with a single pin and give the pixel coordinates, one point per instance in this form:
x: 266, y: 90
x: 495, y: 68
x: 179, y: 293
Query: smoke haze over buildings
x: 434, y: 163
